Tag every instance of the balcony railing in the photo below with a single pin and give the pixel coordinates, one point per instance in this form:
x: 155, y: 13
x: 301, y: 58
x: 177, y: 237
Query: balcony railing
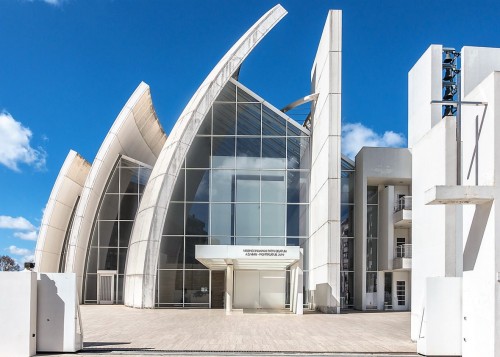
x: 403, y: 203
x: 403, y: 251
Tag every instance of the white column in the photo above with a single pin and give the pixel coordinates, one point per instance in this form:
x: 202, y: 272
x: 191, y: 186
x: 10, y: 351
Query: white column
x: 229, y: 288
x: 292, y: 288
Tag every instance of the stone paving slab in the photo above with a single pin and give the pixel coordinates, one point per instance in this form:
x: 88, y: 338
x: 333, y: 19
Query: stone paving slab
x: 213, y: 330
x: 182, y: 332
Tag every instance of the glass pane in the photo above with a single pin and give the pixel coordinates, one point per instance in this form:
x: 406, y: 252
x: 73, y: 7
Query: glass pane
x: 371, y: 254
x: 371, y: 282
x: 347, y: 189
x: 347, y: 220
x: 109, y: 207
x: 197, y: 185
x: 91, y: 287
x: 228, y: 93
x: 296, y: 242
x: 372, y: 195
x: 225, y: 240
x: 223, y: 152
x: 247, y: 241
x: 196, y: 218
x: 347, y: 254
x: 128, y: 206
x: 273, y: 220
x: 108, y: 234
x: 272, y: 123
x: 222, y: 186
x: 247, y: 219
x: 243, y: 96
x: 221, y: 220
x: 174, y: 222
x: 125, y: 233
x: 273, y: 153
x: 371, y: 221
x: 248, y: 119
x: 206, y: 125
x: 224, y: 118
x: 298, y: 153
x: 247, y: 186
x: 198, y: 155
x: 347, y: 288
x: 292, y: 130
x: 113, y: 186
x: 191, y: 243
x: 129, y: 178
x: 120, y: 289
x: 273, y: 186
x: 196, y: 286
x: 92, y: 261
x: 297, y: 187
x: 171, y: 252
x: 178, y: 193
x: 122, y: 258
x: 170, y: 286
x: 143, y: 177
x: 248, y: 153
x: 95, y: 236
x: 275, y: 241
x: 297, y: 220
x: 108, y: 259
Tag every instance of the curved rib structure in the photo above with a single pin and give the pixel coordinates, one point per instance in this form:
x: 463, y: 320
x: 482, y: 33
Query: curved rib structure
x: 136, y: 133
x: 57, y: 214
x: 144, y: 245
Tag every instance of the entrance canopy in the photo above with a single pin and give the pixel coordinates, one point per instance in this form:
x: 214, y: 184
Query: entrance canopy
x: 218, y: 257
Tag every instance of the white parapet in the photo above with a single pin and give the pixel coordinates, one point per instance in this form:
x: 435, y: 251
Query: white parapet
x: 459, y: 195
x: 18, y: 314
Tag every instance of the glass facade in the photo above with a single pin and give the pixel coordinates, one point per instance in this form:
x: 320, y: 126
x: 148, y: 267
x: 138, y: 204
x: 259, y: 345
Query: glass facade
x: 371, y: 239
x: 347, y: 235
x: 245, y: 181
x: 113, y: 225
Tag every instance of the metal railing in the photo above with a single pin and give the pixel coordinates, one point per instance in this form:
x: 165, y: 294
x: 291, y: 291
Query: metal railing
x: 403, y: 203
x: 403, y: 251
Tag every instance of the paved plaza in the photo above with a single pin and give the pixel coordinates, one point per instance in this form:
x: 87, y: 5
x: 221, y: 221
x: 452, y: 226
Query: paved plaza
x: 122, y: 330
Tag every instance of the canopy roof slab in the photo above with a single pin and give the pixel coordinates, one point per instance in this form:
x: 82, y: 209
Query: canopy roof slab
x: 459, y: 195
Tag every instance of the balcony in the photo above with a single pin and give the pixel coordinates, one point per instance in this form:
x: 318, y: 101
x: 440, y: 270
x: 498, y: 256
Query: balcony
x: 402, y: 257
x: 402, y: 212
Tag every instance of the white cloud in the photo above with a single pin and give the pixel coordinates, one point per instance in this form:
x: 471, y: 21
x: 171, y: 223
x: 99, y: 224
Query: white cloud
x: 31, y: 235
x: 356, y: 135
x: 18, y: 251
x: 17, y: 223
x: 15, y: 145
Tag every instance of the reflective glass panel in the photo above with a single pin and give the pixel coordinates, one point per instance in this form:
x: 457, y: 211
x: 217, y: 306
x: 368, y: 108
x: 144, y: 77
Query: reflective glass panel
x: 371, y: 254
x: 223, y: 182
x: 273, y: 186
x: 91, y: 287
x: 128, y: 207
x: 224, y: 118
x: 196, y: 286
x: 174, y: 223
x: 223, y: 152
x: 197, y: 155
x: 273, y: 153
x: 196, y: 218
x: 297, y: 220
x: 247, y: 218
x: 372, y: 221
x: 171, y: 252
x: 347, y: 254
x: 248, y: 153
x: 178, y: 193
x: 108, y: 233
x: 197, y: 185
x: 221, y: 220
x: 273, y: 220
x: 347, y: 220
x: 170, y: 287
x: 191, y: 243
x: 247, y: 186
x: 272, y: 123
x: 249, y: 119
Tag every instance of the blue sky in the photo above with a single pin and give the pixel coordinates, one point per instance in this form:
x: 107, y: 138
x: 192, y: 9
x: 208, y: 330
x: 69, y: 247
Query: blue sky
x: 68, y: 66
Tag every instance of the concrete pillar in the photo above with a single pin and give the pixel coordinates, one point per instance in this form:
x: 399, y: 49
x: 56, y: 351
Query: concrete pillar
x: 229, y: 288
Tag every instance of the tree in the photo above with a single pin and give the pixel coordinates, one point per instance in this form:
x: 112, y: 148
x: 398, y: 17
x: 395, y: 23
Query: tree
x: 8, y: 264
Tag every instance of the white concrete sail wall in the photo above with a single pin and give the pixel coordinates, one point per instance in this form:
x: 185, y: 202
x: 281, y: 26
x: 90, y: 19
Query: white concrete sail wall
x: 324, y: 241
x: 481, y: 255
x: 136, y: 133
x: 143, y: 252
x: 433, y: 144
x: 57, y: 213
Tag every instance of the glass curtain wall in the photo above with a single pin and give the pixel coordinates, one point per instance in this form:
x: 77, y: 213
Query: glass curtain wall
x: 113, y: 225
x: 347, y: 235
x: 371, y: 239
x: 244, y: 182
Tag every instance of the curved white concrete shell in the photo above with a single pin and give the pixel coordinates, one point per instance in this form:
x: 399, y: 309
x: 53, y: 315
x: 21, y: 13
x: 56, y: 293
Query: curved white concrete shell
x: 57, y: 214
x: 136, y: 133
x: 144, y: 244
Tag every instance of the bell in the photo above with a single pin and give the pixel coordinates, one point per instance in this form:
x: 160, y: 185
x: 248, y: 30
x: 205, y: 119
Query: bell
x: 449, y: 74
x: 449, y: 92
x: 448, y: 58
x: 448, y: 110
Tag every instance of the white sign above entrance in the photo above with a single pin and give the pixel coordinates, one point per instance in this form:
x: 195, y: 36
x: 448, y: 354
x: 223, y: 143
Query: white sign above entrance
x: 246, y: 256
